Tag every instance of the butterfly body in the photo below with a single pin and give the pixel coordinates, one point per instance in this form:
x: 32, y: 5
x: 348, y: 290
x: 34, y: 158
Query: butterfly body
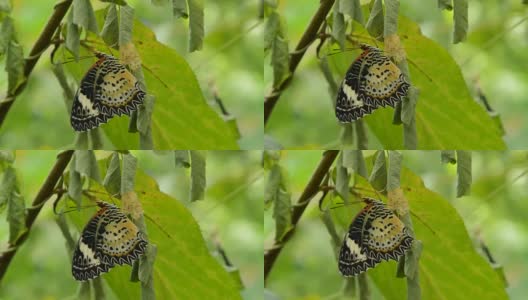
x: 108, y: 239
x: 372, y: 81
x: 375, y: 234
x: 107, y: 89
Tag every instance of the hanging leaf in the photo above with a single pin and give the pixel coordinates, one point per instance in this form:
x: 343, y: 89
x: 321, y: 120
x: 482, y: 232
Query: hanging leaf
x: 282, y: 214
x: 118, y: 2
x: 342, y: 181
x: 179, y: 9
x: 463, y: 173
x: 445, y: 4
x: 84, y: 15
x: 8, y: 186
x: 128, y: 174
x: 181, y: 158
x: 460, y: 17
x: 395, y: 163
x: 375, y: 22
x: 126, y: 25
x: 353, y: 159
x: 16, y: 208
x: 86, y: 164
x: 273, y: 185
x: 351, y: 8
x: 112, y: 180
x: 338, y: 26
x: 271, y: 31
x: 7, y: 33
x: 73, y: 35
x: 198, y: 179
x: 14, y: 67
x: 196, y: 24
x: 448, y: 156
x: 280, y: 60
x: 378, y: 176
x: 110, y: 31
x: 75, y: 183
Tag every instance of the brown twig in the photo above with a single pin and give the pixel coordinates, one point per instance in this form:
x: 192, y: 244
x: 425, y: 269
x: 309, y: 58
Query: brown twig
x: 40, y: 46
x: 307, y: 38
x: 45, y: 192
x: 271, y: 254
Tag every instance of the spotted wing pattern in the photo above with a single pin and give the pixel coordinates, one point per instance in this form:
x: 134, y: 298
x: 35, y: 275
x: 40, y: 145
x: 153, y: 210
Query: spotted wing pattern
x: 375, y: 234
x: 108, y: 239
x: 107, y: 89
x: 372, y: 80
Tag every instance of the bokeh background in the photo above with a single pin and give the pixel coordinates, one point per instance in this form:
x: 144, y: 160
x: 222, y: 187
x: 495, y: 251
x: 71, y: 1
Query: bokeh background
x: 231, y: 213
x: 230, y: 61
x: 493, y: 58
x: 494, y: 212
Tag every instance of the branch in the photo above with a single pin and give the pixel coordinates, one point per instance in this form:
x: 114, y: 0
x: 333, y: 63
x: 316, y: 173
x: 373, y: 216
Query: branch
x: 40, y: 46
x: 45, y: 192
x: 298, y: 209
x: 307, y: 38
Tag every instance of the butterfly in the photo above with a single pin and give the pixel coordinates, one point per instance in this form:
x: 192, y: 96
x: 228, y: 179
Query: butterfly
x: 108, y: 239
x: 107, y: 89
x: 375, y: 234
x: 372, y: 80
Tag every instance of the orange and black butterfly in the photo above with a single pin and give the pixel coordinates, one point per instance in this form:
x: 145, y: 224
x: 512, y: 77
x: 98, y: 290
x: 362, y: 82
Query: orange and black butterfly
x: 109, y: 239
x: 107, y: 89
x: 372, y: 81
x: 375, y: 234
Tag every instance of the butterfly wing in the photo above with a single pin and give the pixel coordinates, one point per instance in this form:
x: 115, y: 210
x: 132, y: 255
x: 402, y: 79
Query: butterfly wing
x: 353, y: 257
x: 375, y: 234
x: 386, y: 237
x: 107, y: 89
x: 371, y: 81
x: 86, y: 262
x: 119, y: 241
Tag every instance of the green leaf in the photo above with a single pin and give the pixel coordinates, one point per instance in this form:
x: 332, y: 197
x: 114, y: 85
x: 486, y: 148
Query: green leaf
x: 375, y: 22
x: 179, y: 9
x: 445, y: 4
x: 460, y: 17
x: 353, y: 159
x: 391, y: 17
x: 194, y: 125
x: 73, y: 35
x: 463, y: 172
x: 270, y: 158
x: 182, y: 159
x: 86, y: 164
x: 128, y: 176
x: 395, y: 163
x: 75, y: 184
x: 7, y: 157
x: 235, y: 275
x: 7, y: 33
x: 198, y: 179
x: 378, y: 176
x: 342, y: 180
x: 14, y: 66
x: 282, y: 214
x: 280, y: 61
x: 85, y: 292
x: 446, y: 97
x: 146, y: 267
x: 119, y: 2
x: 16, y: 212
x: 8, y: 187
x: 272, y: 30
x: 126, y: 25
x: 110, y: 31
x: 346, y: 137
x: 112, y: 180
x: 5, y: 6
x: 361, y: 133
x: 84, y: 16
x: 448, y: 156
x: 196, y: 24
x: 449, y: 265
x: 338, y: 26
x: 159, y: 2
x: 351, y: 8
x: 182, y: 250
x: 273, y: 185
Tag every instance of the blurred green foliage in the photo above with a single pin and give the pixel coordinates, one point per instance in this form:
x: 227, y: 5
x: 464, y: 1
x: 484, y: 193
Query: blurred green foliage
x: 492, y: 59
x: 230, y: 63
x: 494, y: 213
x: 230, y: 214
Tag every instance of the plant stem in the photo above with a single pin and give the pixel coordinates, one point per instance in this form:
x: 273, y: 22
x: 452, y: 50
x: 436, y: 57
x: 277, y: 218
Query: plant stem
x: 45, y: 192
x: 309, y: 35
x: 40, y: 46
x: 270, y: 255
